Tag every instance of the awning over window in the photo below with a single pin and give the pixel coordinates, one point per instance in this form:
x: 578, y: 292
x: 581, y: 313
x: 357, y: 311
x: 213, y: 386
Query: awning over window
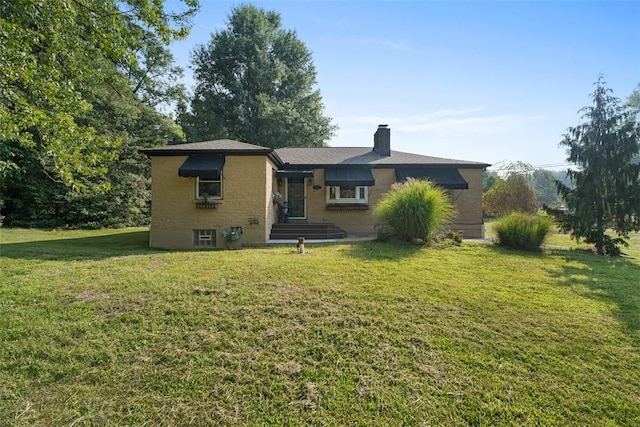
x: 448, y: 178
x: 205, y: 166
x: 293, y: 174
x: 348, y: 177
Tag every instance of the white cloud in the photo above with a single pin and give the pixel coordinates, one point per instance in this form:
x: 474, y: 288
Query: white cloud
x: 459, y: 121
x: 463, y: 133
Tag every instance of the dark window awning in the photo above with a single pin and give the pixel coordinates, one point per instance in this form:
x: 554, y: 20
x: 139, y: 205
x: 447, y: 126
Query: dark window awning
x: 448, y: 178
x: 204, y: 166
x: 348, y: 177
x: 293, y: 174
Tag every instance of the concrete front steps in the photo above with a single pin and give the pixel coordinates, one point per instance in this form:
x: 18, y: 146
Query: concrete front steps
x: 312, y: 231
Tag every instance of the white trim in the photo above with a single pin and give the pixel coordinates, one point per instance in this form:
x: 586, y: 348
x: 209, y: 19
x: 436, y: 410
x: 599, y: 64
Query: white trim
x: 198, y: 181
x: 361, y: 196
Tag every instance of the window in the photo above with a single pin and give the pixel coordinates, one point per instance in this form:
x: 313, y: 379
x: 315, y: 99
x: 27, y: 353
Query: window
x: 209, y: 188
x: 204, y: 238
x: 347, y: 194
x: 207, y: 169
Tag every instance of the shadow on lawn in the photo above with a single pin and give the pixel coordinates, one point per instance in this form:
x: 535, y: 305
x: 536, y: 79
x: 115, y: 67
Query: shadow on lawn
x: 384, y: 251
x: 614, y: 281
x: 81, y: 248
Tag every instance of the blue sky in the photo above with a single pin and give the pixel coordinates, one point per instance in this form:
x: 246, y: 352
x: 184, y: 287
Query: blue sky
x: 486, y: 81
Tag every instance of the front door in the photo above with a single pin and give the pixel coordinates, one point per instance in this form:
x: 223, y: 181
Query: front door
x: 296, y: 200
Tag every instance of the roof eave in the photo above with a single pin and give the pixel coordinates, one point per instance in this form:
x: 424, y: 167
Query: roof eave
x: 150, y: 152
x: 387, y: 165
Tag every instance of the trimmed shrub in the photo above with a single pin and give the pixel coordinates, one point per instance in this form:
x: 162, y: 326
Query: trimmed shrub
x: 523, y: 231
x: 415, y: 209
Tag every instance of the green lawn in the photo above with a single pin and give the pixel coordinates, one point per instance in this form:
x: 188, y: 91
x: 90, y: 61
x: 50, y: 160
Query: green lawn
x: 97, y: 329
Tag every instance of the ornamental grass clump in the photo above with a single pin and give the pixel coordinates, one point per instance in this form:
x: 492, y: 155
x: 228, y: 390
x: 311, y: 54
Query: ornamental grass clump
x: 415, y: 209
x: 523, y: 231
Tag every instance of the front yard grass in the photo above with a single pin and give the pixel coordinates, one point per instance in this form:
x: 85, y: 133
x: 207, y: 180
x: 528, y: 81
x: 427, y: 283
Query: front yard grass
x: 97, y: 329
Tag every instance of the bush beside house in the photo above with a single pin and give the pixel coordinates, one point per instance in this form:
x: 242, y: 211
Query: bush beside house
x: 414, y: 209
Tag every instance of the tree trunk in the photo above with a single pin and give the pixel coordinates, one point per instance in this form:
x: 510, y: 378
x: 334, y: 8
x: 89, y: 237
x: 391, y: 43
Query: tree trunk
x: 599, y: 230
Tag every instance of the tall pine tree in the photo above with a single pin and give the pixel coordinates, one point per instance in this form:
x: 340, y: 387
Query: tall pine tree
x: 605, y: 191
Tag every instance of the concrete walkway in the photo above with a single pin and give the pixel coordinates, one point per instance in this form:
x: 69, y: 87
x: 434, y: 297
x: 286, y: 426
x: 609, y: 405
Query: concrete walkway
x: 355, y: 237
x: 363, y: 237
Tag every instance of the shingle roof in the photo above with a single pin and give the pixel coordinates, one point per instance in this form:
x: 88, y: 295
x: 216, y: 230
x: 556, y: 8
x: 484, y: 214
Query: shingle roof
x: 311, y: 156
x: 362, y: 156
x: 219, y: 145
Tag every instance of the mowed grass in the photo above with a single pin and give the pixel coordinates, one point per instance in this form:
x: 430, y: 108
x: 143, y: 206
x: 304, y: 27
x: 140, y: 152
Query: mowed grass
x: 97, y: 329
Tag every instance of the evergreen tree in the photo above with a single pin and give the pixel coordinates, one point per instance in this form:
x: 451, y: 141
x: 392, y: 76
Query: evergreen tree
x: 606, y: 183
x: 255, y: 83
x: 633, y: 102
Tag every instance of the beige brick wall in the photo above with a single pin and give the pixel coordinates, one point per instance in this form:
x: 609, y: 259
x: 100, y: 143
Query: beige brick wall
x: 468, y: 204
x: 352, y: 221
x: 247, y: 186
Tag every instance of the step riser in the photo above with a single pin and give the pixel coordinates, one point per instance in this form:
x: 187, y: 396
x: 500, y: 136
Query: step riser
x: 304, y: 226
x: 307, y: 238
x: 290, y: 231
x: 309, y: 233
x: 333, y: 231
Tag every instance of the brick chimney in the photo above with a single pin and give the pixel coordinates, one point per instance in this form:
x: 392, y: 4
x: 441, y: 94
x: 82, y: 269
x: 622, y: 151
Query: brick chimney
x: 382, y: 140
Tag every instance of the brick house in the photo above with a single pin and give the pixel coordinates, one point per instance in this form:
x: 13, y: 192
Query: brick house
x: 224, y: 192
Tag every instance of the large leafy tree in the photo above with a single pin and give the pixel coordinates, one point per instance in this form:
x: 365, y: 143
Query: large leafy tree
x: 255, y: 83
x: 606, y: 182
x: 542, y: 182
x: 52, y: 55
x: 511, y: 194
x: 489, y: 178
x: 73, y: 120
x: 634, y: 100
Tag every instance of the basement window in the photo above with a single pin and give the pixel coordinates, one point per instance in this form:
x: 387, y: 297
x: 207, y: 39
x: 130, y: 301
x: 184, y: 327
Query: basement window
x: 204, y: 238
